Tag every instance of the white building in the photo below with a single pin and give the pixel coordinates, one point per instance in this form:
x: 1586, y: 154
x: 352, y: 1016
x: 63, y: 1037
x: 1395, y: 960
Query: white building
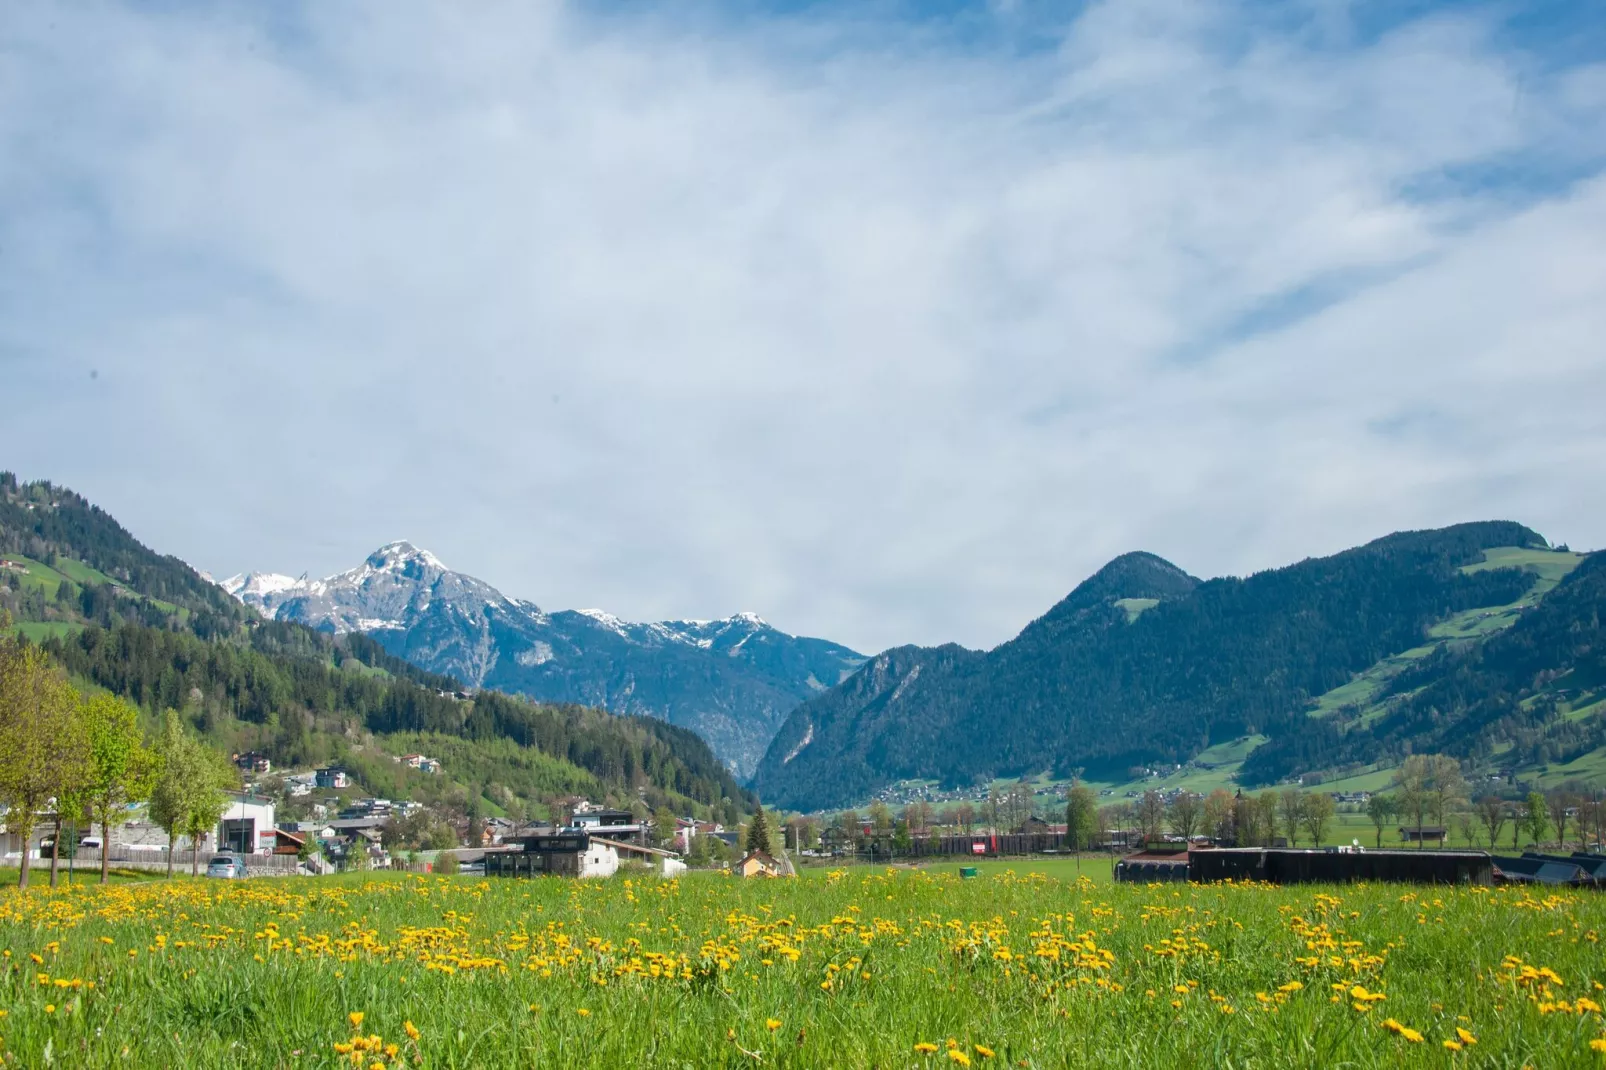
x: 247, y: 826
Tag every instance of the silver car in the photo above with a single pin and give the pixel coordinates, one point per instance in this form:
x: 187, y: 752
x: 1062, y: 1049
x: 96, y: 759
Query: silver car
x: 226, y: 866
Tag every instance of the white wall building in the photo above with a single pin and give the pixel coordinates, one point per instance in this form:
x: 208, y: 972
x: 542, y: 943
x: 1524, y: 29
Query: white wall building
x: 247, y: 826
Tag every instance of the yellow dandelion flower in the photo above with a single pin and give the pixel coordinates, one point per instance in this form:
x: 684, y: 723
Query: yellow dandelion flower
x: 1412, y: 1035
x: 1465, y: 1037
x: 1598, y: 1044
x: 925, y: 1048
x: 984, y: 1051
x: 582, y: 1012
x: 958, y: 1056
x: 50, y: 1008
x: 412, y: 1030
x: 355, y: 1017
x: 1291, y: 986
x: 772, y: 1024
x: 344, y: 1049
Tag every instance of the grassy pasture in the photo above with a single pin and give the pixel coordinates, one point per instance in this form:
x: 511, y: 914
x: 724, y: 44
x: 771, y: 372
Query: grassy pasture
x: 853, y: 968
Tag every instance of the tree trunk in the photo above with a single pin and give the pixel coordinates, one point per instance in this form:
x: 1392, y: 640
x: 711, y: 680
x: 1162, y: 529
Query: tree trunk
x: 27, y: 850
x: 169, y: 854
x: 55, y: 850
x: 105, y: 847
x: 195, y: 856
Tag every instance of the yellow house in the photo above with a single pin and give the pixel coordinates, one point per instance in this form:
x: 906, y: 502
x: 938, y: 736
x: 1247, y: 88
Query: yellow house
x: 756, y: 864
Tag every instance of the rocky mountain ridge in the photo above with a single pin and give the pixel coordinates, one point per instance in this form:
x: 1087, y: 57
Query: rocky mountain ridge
x: 732, y: 680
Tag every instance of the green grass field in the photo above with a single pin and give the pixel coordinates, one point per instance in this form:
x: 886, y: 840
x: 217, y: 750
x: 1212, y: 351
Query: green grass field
x: 37, y: 631
x: 855, y: 968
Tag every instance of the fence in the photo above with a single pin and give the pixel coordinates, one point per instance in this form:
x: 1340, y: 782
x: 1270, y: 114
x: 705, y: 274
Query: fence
x: 88, y: 861
x: 973, y: 846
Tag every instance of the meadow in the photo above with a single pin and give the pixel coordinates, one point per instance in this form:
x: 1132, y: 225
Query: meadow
x: 850, y: 968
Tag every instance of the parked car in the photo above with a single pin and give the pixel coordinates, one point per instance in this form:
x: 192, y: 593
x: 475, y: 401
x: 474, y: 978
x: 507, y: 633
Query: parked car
x: 226, y: 866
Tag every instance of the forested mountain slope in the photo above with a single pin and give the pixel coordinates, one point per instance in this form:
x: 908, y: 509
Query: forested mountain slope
x: 1139, y: 664
x: 301, y: 695
x: 1533, y: 694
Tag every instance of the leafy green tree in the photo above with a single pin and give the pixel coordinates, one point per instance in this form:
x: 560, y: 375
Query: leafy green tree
x: 208, y: 800
x: 1429, y: 785
x: 41, y: 750
x: 1492, y: 813
x: 1291, y: 811
x: 1536, y: 819
x: 758, y: 832
x: 1315, y: 814
x: 122, y: 769
x: 1381, y: 809
x: 1081, y: 819
x: 188, y: 788
x: 1266, y: 807
x: 663, y: 826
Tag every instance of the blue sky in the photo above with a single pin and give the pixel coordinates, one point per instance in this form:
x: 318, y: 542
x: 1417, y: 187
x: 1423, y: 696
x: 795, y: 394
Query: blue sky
x: 889, y: 322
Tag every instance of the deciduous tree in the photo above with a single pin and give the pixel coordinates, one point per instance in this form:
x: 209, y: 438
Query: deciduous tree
x: 1184, y: 813
x: 1081, y: 819
x: 1315, y: 813
x: 1291, y: 811
x: 121, y: 768
x: 41, y: 742
x: 1535, y: 819
x: 1381, y: 809
x: 1492, y: 813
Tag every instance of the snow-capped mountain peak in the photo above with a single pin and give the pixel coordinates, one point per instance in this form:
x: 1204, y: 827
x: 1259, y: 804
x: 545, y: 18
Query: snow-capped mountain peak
x: 731, y: 679
x: 259, y: 584
x: 396, y: 556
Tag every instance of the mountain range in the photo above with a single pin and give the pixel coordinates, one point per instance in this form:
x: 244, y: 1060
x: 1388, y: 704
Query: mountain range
x: 1478, y: 640
x: 121, y: 617
x: 732, y: 681
x: 1324, y: 662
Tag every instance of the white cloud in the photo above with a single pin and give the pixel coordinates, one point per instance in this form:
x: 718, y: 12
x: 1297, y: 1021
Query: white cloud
x: 886, y: 338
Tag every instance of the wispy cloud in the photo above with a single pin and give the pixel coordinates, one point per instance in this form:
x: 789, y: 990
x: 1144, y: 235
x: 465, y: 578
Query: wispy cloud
x: 890, y: 332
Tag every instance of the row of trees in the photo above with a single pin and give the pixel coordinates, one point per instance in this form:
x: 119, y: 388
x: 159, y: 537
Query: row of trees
x: 1247, y: 820
x: 70, y: 757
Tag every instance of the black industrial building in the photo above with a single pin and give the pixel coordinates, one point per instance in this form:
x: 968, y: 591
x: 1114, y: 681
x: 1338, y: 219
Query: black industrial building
x: 1290, y: 866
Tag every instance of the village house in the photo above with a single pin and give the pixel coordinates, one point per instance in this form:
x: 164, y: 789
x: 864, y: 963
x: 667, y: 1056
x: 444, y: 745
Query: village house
x: 618, y: 825
x: 564, y: 852
x: 332, y: 778
x: 757, y: 864
x: 252, y: 762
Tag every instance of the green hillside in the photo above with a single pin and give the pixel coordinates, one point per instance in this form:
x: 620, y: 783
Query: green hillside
x: 1528, y: 695
x: 78, y: 587
x: 1119, y: 677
